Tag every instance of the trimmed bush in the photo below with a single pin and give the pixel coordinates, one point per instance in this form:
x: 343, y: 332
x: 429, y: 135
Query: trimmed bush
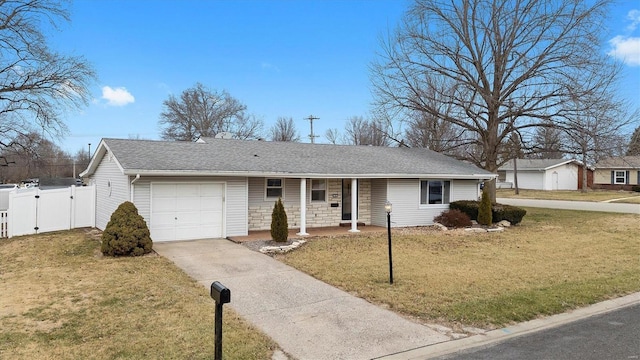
x: 469, y: 207
x: 279, y: 224
x: 499, y: 212
x: 453, y: 219
x: 512, y: 214
x: 635, y: 188
x: 126, y: 233
x: 484, y: 210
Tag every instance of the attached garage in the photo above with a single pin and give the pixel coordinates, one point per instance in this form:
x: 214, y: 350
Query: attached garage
x: 186, y: 211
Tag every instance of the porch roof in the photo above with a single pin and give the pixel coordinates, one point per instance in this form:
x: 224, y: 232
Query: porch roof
x: 228, y: 157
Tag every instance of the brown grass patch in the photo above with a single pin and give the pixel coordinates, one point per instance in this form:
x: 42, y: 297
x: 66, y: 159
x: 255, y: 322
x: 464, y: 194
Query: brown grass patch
x: 572, y: 195
x: 554, y: 261
x: 62, y: 299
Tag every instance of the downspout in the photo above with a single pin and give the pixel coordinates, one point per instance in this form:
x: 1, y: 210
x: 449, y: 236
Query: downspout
x: 131, y: 187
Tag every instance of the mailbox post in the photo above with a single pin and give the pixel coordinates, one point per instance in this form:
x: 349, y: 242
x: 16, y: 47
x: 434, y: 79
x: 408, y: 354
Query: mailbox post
x: 221, y: 295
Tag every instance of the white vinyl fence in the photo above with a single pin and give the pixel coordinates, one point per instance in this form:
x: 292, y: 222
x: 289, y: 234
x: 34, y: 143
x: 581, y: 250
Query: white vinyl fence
x: 33, y: 211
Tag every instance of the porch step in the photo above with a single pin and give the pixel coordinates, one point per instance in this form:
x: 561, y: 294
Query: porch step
x: 348, y: 224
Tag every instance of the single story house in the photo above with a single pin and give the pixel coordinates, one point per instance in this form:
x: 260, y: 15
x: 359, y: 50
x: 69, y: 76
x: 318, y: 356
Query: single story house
x: 216, y: 188
x: 544, y: 174
x: 617, y: 173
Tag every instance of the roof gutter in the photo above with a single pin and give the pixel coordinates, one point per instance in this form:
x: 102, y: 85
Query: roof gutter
x: 486, y: 176
x: 131, y: 186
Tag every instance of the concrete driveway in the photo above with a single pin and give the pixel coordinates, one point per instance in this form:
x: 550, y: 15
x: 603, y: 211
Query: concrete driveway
x: 573, y: 205
x: 306, y: 317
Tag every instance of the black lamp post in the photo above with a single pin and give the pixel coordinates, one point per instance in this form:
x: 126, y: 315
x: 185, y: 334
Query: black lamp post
x: 387, y: 208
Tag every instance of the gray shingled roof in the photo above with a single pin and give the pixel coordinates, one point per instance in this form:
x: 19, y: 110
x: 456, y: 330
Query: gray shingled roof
x: 241, y: 157
x: 620, y: 162
x: 534, y: 164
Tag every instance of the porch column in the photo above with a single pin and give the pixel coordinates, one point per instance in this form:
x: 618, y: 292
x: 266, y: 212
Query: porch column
x: 303, y: 207
x: 354, y: 205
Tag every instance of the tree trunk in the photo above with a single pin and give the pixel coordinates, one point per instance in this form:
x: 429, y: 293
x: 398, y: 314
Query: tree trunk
x: 515, y: 175
x: 584, y: 173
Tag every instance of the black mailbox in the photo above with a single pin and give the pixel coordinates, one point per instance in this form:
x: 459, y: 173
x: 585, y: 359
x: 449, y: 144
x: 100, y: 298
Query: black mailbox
x: 220, y: 293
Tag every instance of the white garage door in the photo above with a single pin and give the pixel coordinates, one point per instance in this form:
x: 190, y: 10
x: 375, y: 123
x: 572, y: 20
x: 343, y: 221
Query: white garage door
x: 186, y: 211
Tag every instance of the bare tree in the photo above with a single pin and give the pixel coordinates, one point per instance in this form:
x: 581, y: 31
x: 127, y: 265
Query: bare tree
x: 478, y: 56
x: 425, y: 130
x: 634, y: 144
x: 32, y: 156
x: 546, y: 142
x: 37, y: 85
x: 284, y: 130
x: 333, y: 136
x: 594, y: 131
x: 200, y: 112
x: 359, y: 131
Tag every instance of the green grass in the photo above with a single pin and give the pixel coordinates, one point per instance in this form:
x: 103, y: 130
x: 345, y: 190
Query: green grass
x: 554, y: 261
x: 62, y: 299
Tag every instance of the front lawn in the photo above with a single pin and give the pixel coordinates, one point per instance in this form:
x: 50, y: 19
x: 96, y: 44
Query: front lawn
x: 553, y: 261
x: 60, y: 299
x: 572, y: 195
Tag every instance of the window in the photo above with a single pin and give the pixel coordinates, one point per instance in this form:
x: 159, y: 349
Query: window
x: 318, y: 190
x: 434, y: 192
x: 274, y: 188
x: 620, y: 177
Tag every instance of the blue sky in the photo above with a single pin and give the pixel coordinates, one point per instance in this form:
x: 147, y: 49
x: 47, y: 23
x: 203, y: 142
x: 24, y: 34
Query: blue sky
x: 280, y: 58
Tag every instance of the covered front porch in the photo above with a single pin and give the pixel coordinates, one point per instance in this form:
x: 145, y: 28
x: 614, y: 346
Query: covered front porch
x: 311, y: 232
x: 310, y: 203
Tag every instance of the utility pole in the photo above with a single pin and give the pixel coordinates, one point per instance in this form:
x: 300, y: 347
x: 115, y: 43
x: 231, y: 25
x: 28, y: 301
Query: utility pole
x: 312, y: 136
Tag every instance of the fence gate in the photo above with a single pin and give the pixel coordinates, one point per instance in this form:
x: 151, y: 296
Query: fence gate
x: 33, y: 211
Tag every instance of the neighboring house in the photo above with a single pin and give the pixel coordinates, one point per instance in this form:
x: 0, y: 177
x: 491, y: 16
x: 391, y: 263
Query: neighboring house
x: 217, y: 188
x: 617, y: 173
x: 544, y: 174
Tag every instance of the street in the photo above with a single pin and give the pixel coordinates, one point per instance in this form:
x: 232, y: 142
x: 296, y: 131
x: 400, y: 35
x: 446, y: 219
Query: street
x: 613, y: 335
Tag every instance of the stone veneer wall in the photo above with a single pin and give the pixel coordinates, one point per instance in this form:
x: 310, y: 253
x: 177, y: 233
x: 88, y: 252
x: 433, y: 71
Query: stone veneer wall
x: 319, y: 214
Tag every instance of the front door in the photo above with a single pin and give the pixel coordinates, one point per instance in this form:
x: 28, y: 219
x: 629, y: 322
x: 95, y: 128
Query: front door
x: 346, y: 199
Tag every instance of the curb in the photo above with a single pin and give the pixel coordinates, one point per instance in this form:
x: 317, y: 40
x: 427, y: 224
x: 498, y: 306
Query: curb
x: 447, y: 347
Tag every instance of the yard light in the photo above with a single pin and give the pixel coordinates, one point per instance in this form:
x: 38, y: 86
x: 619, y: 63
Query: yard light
x: 387, y: 208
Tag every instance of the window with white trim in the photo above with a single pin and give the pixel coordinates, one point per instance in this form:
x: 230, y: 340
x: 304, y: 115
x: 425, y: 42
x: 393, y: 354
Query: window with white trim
x: 435, y: 192
x: 620, y: 177
x: 318, y: 190
x: 274, y: 188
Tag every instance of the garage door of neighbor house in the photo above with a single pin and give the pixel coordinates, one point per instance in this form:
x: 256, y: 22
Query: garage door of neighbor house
x: 186, y: 211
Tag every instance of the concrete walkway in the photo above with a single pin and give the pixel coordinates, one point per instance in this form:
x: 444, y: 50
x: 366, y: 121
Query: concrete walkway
x: 574, y: 205
x: 306, y: 317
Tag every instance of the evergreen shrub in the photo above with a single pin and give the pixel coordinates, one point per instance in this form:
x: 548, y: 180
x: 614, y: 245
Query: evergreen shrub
x: 512, y: 214
x: 499, y: 212
x: 126, y: 233
x: 279, y: 224
x: 484, y: 210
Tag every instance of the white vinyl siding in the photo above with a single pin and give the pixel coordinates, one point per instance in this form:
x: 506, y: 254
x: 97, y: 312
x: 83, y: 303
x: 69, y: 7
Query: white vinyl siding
x: 404, y: 195
x: 236, y: 207
x: 112, y: 189
x: 378, y: 199
x: 464, y: 190
x: 142, y: 199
